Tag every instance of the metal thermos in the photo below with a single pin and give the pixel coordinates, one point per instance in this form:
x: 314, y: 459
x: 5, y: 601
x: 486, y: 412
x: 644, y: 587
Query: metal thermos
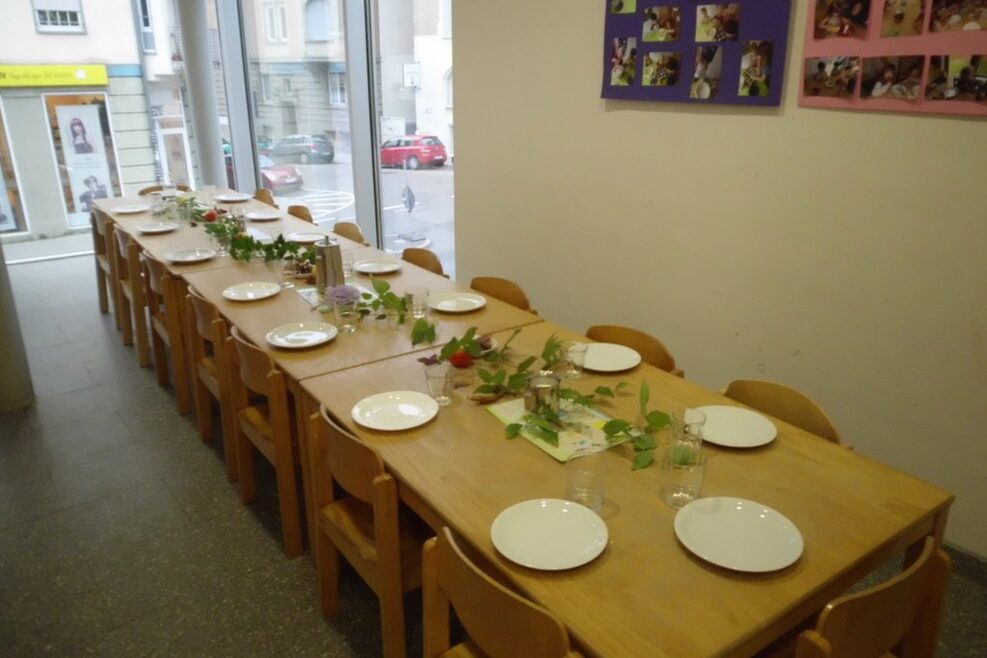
x: 328, y: 264
x: 543, y: 391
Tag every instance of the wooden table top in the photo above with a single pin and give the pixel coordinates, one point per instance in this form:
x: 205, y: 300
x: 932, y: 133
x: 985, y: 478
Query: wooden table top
x: 646, y: 595
x: 160, y: 245
x: 369, y: 343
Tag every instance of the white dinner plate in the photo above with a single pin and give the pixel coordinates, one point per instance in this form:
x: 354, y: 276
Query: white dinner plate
x: 263, y: 215
x: 738, y: 534
x: 549, y: 534
x: 131, y: 210
x: 233, y: 197
x: 191, y: 255
x: 610, y: 357
x: 377, y: 265
x: 456, y: 302
x: 157, y: 227
x: 395, y: 410
x: 251, y: 291
x: 304, y: 237
x: 735, y: 427
x: 301, y: 335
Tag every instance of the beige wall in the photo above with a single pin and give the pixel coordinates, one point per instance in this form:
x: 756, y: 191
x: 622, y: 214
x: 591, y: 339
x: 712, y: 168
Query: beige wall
x: 843, y: 253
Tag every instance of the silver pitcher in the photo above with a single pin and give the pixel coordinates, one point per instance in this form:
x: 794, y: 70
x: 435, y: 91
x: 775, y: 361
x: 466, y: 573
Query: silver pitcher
x: 328, y: 264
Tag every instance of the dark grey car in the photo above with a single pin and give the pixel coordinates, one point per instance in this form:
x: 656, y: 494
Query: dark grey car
x: 303, y: 149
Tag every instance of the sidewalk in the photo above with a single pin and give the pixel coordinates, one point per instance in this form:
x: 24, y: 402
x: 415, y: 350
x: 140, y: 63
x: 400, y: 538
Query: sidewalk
x: 30, y: 250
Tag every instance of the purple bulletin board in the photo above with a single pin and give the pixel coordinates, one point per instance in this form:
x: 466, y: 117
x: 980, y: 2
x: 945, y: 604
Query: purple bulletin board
x: 687, y: 51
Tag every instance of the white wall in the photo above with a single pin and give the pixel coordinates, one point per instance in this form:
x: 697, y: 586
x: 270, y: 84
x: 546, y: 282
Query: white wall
x: 842, y: 253
x: 109, y: 37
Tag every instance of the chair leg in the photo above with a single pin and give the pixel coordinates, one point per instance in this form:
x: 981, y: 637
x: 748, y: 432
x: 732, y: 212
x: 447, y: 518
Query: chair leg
x: 245, y: 467
x: 203, y: 410
x: 392, y: 621
x: 104, y: 302
x: 126, y: 324
x: 160, y: 359
x: 327, y: 561
x: 291, y: 528
x: 140, y: 332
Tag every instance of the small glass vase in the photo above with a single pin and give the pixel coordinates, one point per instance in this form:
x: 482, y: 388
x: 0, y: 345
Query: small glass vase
x: 347, y: 317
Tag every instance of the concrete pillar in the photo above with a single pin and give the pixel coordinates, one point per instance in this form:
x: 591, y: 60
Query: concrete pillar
x: 16, y: 390
x: 194, y: 24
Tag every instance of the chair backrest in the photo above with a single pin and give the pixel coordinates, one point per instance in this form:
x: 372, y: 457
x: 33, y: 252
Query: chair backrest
x: 784, y: 403
x: 904, y: 612
x: 503, y: 289
x: 157, y: 188
x: 652, y: 350
x: 352, y: 463
x: 122, y: 254
x: 264, y: 195
x: 101, y: 223
x: 423, y: 258
x: 301, y: 212
x: 156, y: 273
x: 498, y: 621
x: 349, y: 230
x: 255, y: 364
x: 203, y: 314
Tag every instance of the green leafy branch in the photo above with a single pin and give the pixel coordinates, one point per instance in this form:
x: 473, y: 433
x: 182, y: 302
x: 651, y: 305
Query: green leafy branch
x: 644, y: 440
x: 383, y: 301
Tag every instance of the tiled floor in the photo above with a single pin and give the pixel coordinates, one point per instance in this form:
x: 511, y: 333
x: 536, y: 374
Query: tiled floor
x: 120, y: 535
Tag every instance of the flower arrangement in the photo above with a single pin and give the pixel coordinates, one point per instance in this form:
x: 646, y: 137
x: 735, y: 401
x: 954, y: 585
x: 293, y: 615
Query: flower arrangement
x: 343, y: 295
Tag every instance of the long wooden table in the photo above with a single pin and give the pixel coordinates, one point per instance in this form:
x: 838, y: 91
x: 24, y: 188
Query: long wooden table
x: 646, y: 595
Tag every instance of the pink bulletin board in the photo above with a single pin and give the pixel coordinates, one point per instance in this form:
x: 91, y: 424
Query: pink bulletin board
x: 920, y: 56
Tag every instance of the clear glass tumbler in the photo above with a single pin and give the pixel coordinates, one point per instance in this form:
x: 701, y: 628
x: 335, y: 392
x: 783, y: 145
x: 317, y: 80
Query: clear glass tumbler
x: 347, y: 317
x: 439, y: 380
x: 683, y: 465
x: 586, y: 478
x: 576, y: 358
x: 417, y: 301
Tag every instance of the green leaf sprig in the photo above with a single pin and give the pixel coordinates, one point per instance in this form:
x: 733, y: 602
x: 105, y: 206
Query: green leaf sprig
x: 422, y: 332
x: 644, y: 440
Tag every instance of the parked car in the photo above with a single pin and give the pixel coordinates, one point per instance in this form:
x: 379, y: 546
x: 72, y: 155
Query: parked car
x: 303, y: 149
x: 413, y: 151
x: 278, y: 177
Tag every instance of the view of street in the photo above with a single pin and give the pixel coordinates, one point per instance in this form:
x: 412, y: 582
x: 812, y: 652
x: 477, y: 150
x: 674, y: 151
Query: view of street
x: 328, y: 192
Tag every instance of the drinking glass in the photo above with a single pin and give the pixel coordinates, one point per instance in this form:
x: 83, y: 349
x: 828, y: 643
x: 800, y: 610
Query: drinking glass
x: 417, y: 301
x: 586, y: 478
x: 347, y: 264
x: 576, y: 358
x: 347, y: 316
x: 683, y: 465
x: 439, y: 381
x: 169, y: 191
x: 689, y: 425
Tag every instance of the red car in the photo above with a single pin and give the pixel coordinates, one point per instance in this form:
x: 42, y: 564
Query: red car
x: 413, y: 151
x: 279, y: 177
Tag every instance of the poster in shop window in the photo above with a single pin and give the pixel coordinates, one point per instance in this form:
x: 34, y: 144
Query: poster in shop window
x: 84, y: 149
x: 8, y: 221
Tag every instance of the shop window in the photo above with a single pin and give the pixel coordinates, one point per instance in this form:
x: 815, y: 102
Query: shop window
x: 12, y: 219
x: 58, y: 16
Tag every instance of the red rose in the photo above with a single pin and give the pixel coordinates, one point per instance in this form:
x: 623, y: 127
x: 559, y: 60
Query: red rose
x: 210, y: 216
x: 461, y: 359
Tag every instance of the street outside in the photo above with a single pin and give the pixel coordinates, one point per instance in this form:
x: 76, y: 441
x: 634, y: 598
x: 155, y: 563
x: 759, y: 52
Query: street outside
x: 328, y: 192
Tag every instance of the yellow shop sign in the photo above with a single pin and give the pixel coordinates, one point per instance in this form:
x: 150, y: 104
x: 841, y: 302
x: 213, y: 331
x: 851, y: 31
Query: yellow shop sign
x: 53, y: 75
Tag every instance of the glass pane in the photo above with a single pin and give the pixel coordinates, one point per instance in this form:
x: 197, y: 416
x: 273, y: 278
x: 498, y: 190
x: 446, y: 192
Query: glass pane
x: 11, y: 211
x: 296, y: 65
x: 83, y: 141
x: 413, y: 41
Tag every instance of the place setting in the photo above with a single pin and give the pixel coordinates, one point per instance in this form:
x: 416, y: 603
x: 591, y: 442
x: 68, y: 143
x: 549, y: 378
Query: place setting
x: 456, y: 302
x: 377, y: 265
x: 190, y: 256
x: 251, y: 291
x: 232, y: 197
x: 157, y: 227
x: 131, y: 209
x: 263, y: 215
x: 610, y: 357
x: 301, y: 335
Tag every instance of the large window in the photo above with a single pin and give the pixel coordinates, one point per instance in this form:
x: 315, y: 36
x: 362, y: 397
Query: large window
x: 337, y: 88
x: 276, y: 22
x: 12, y: 218
x: 147, y: 29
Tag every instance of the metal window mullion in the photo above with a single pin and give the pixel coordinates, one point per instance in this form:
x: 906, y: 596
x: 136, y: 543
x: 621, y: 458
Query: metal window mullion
x: 234, y: 58
x: 363, y: 124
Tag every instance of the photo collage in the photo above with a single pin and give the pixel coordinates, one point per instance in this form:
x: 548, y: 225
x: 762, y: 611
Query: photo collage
x: 671, y: 50
x: 926, y: 56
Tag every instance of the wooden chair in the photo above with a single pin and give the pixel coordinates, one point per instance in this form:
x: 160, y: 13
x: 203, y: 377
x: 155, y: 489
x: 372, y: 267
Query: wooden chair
x: 265, y: 426
x: 157, y: 188
x: 366, y: 525
x: 500, y: 624
x: 264, y: 195
x: 783, y: 403
x: 652, y: 350
x: 207, y: 334
x: 164, y: 304
x: 301, y: 212
x: 900, y: 616
x: 424, y: 259
x: 503, y: 289
x: 102, y: 229
x: 350, y: 231
x: 130, y: 292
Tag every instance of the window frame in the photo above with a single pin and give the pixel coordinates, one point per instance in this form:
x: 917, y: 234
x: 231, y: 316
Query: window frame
x: 52, y: 21
x: 275, y: 22
x: 148, y: 43
x: 339, y: 93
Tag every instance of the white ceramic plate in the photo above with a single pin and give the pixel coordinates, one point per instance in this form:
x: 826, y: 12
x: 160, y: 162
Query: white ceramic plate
x: 738, y: 534
x: 549, y: 534
x: 301, y: 335
x: 131, y: 210
x: 456, y: 302
x: 395, y: 410
x: 263, y: 215
x: 734, y: 427
x: 251, y: 291
x: 158, y: 227
x: 610, y: 357
x: 304, y: 237
x: 233, y: 197
x: 191, y: 255
x: 377, y: 265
